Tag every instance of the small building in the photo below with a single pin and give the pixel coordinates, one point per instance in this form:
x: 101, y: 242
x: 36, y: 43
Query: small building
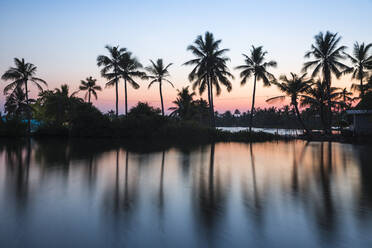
x: 362, y: 121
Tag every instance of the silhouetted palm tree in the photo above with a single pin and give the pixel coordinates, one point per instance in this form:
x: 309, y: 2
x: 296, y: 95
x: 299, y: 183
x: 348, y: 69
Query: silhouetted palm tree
x: 159, y: 73
x: 89, y: 85
x: 327, y: 56
x: 128, y: 70
x: 293, y: 88
x: 256, y: 66
x: 210, y: 68
x: 16, y: 104
x: 346, y: 98
x: 110, y: 68
x: 184, y: 103
x: 21, y: 74
x: 317, y: 98
x: 362, y: 61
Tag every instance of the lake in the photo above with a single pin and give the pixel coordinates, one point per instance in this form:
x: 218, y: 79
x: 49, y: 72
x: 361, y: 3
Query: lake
x: 93, y: 193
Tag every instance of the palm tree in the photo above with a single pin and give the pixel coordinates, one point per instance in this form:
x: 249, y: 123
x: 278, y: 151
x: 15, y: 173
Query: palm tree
x: 346, y: 98
x: 21, y: 74
x: 89, y: 85
x: 16, y: 103
x: 293, y: 88
x: 111, y: 70
x: 362, y: 61
x: 184, y: 104
x: 159, y: 73
x: 256, y: 66
x: 327, y: 56
x: 210, y: 68
x: 128, y: 67
x: 317, y: 97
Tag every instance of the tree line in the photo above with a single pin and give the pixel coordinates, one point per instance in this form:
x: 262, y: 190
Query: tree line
x: 311, y: 89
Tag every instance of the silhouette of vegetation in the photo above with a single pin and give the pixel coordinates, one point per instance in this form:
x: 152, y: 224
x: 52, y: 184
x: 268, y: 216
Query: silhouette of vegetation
x: 158, y: 72
x: 256, y: 66
x: 210, y: 68
x: 89, y: 85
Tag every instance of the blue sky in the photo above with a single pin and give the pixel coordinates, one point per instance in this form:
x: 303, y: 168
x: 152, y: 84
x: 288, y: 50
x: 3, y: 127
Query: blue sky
x: 64, y: 38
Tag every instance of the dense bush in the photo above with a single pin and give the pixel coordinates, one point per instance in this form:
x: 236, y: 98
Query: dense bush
x: 12, y: 127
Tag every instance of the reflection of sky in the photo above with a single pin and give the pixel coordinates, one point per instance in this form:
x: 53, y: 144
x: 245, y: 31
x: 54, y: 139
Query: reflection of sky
x: 63, y: 39
x: 93, y: 195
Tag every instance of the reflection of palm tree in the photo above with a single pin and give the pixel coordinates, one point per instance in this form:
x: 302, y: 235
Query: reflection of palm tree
x: 161, y: 186
x: 256, y: 66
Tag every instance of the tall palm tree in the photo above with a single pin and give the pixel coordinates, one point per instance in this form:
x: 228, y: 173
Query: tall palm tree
x: 210, y: 68
x: 326, y: 57
x: 159, y: 73
x: 111, y: 68
x: 129, y: 69
x: 256, y: 66
x: 362, y: 61
x: 293, y: 88
x: 21, y: 74
x: 16, y: 103
x: 89, y: 85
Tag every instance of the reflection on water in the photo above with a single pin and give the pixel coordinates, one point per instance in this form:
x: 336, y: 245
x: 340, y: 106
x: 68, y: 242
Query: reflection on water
x: 59, y: 193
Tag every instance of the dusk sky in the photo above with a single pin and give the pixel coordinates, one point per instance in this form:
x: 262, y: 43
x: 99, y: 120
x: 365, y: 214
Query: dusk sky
x: 64, y: 38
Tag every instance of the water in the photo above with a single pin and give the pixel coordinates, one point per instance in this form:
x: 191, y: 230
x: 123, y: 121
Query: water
x: 279, y: 131
x: 95, y: 194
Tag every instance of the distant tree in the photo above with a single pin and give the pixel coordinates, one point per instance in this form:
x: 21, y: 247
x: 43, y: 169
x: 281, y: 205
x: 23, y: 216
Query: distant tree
x: 143, y: 109
x: 159, y: 73
x: 184, y: 104
x: 89, y: 85
x: 58, y: 103
x: 293, y: 88
x: 111, y: 69
x: 16, y: 104
x: 326, y: 60
x: 21, y: 74
x: 256, y: 66
x: 129, y: 69
x: 210, y: 68
x: 237, y: 112
x: 362, y: 62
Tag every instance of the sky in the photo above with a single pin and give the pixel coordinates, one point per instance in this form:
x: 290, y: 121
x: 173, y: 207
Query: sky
x: 64, y: 38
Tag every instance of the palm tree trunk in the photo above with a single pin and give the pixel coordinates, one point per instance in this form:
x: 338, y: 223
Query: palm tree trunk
x: 89, y: 96
x: 300, y: 119
x: 361, y: 87
x: 117, y: 97
x: 212, y: 106
x: 329, y: 107
x: 322, y: 118
x: 252, y: 108
x: 126, y: 100
x: 211, y: 114
x: 161, y: 99
x: 28, y: 110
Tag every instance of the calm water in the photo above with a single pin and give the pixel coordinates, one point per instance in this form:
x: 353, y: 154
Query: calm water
x: 94, y: 194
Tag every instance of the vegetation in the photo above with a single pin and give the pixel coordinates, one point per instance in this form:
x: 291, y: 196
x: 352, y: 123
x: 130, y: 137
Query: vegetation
x: 314, y: 102
x: 159, y: 73
x: 256, y: 66
x: 210, y: 68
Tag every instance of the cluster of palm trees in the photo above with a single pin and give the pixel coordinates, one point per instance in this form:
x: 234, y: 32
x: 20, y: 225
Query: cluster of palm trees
x: 326, y: 60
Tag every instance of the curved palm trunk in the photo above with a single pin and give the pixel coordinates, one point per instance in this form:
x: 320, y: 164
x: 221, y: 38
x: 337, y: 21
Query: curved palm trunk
x: 89, y: 96
x: 117, y: 97
x: 300, y: 119
x: 161, y: 99
x: 126, y: 99
x: 28, y: 110
x: 252, y: 108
